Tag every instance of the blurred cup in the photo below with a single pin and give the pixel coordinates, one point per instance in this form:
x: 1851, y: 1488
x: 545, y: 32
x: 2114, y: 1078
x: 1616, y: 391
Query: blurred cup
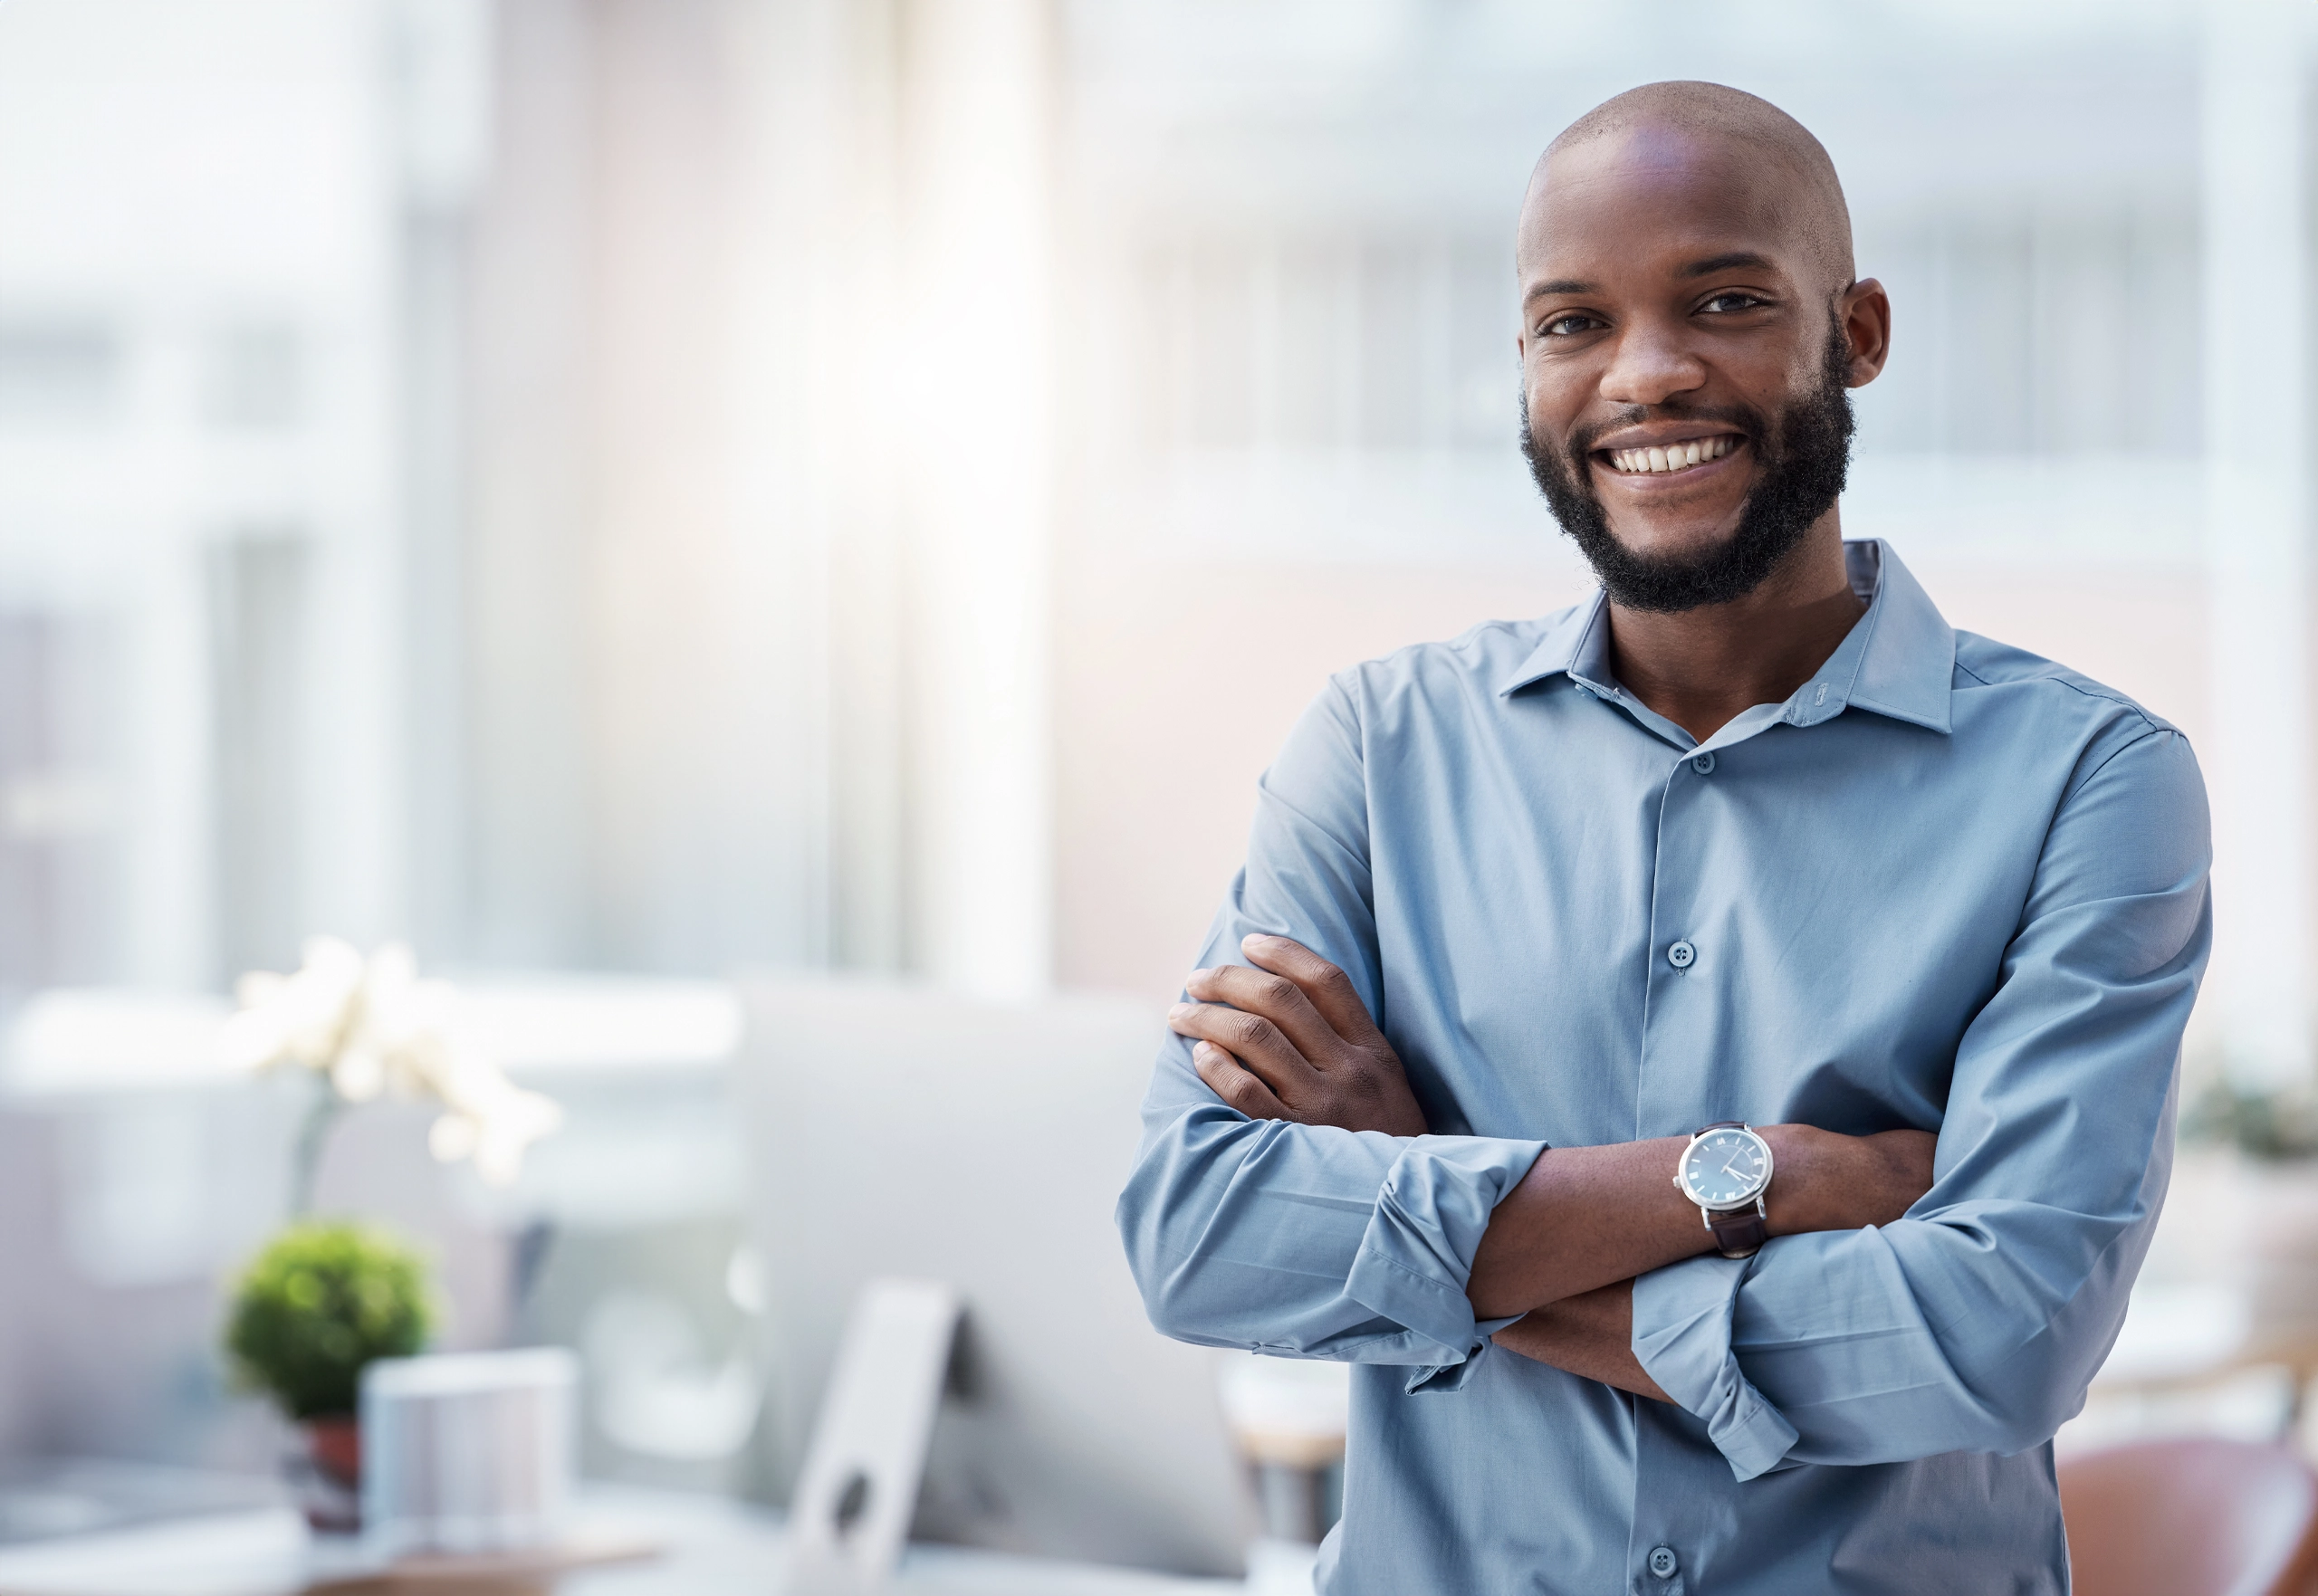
x: 1288, y: 1417
x: 473, y: 1452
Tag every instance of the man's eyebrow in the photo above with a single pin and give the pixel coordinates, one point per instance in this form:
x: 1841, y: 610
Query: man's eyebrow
x: 1728, y: 262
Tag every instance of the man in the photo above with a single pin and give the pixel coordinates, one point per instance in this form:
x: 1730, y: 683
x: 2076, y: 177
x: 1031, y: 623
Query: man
x: 1753, y: 836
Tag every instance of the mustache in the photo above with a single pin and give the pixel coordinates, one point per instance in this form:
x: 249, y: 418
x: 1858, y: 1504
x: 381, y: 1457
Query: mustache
x: 1741, y: 418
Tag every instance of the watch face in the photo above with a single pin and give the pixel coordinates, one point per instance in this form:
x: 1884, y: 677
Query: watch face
x: 1725, y: 1169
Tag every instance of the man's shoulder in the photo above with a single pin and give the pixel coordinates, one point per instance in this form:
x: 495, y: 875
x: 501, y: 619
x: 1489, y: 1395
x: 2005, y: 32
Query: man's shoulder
x: 1478, y: 661
x: 2008, y: 680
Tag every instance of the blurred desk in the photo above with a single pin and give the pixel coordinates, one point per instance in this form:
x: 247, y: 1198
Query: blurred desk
x: 713, y: 1547
x: 708, y: 1547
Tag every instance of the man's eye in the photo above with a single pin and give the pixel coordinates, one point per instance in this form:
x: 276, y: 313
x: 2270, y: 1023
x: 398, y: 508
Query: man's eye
x: 1728, y: 303
x: 1563, y: 326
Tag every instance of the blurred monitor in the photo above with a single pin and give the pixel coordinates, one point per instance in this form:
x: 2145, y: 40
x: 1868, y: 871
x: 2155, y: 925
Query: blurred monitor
x: 897, y: 1130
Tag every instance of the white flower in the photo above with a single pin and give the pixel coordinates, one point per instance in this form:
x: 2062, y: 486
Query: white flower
x: 374, y: 1026
x: 301, y: 1018
x: 489, y: 1118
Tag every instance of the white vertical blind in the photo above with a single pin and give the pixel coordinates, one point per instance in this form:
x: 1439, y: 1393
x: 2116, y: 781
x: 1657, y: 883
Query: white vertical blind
x: 2257, y: 534
x: 976, y: 437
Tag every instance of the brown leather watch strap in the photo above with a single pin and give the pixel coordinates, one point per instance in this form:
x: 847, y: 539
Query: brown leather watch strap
x: 1739, y: 1233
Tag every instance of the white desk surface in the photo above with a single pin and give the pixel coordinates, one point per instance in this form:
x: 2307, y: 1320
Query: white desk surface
x: 711, y: 1547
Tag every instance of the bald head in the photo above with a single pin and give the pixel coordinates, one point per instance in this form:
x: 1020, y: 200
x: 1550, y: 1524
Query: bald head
x: 1677, y: 122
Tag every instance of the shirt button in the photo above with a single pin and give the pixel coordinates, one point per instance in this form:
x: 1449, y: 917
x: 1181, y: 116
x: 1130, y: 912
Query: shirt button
x: 1664, y: 1562
x: 1703, y: 764
x: 1681, y: 955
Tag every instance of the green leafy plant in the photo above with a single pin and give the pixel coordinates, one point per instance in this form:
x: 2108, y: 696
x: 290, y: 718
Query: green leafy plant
x: 321, y: 1302
x: 2268, y: 1124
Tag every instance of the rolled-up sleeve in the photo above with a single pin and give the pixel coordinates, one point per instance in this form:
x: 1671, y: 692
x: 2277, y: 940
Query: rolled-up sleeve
x: 1306, y: 1240
x: 1977, y: 1322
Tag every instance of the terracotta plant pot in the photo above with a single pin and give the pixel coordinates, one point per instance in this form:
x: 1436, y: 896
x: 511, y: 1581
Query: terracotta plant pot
x: 335, y: 1445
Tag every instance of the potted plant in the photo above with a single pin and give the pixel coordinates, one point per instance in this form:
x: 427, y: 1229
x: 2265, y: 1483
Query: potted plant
x: 323, y: 1300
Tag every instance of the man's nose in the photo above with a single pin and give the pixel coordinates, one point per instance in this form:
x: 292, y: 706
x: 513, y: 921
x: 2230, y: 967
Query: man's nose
x: 1651, y: 364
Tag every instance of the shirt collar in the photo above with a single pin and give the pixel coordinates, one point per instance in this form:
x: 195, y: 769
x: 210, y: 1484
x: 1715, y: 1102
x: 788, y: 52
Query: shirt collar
x: 1899, y: 660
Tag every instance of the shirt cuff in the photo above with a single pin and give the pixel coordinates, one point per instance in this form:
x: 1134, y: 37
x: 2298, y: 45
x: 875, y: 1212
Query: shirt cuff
x: 1681, y: 1335
x: 1417, y: 1254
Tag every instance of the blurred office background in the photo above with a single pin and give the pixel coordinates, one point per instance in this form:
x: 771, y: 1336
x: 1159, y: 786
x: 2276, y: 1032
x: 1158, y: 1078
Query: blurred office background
x: 621, y: 493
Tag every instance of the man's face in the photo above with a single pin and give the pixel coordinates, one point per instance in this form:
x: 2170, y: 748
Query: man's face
x: 1685, y: 364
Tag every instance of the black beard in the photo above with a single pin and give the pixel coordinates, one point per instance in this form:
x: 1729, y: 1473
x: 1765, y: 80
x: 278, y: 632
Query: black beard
x: 1801, y: 475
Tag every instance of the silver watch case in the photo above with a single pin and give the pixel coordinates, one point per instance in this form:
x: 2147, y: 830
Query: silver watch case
x: 1752, y: 1194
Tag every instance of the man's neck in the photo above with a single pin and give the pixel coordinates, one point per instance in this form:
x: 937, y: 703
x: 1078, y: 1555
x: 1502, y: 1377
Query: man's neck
x: 1700, y: 668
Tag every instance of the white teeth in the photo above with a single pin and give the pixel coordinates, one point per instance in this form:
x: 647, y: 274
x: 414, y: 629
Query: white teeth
x: 1673, y: 457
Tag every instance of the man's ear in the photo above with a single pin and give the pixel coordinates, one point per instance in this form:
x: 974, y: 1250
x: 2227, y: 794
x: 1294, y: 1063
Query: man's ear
x: 1864, y: 311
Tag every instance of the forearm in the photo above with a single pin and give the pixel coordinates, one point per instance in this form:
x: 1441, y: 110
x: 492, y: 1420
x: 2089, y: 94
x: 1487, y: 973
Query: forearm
x: 1291, y: 1039
x: 1308, y: 1239
x: 1584, y: 1217
x: 1590, y: 1336
x: 1976, y: 1331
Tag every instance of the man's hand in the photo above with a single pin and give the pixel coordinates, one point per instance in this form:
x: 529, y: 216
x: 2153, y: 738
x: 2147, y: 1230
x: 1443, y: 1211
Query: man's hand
x: 1295, y: 1043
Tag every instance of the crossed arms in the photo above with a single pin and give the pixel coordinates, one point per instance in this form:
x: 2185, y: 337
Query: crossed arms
x: 1290, y: 1040
x: 1286, y: 1198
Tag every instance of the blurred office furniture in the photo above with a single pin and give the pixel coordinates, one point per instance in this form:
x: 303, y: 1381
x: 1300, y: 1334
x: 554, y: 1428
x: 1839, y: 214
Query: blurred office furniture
x: 897, y: 1130
x: 851, y: 1512
x: 80, y: 1525
x: 2228, y: 1295
x: 2191, y: 1517
x: 727, y: 1549
x: 700, y: 1545
x: 136, y: 1172
x: 469, y: 1452
x: 630, y: 1216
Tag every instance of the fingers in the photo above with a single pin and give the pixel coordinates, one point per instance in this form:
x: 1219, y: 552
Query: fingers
x: 1259, y: 1045
x: 1237, y: 1087
x: 1276, y: 999
x: 1326, y: 988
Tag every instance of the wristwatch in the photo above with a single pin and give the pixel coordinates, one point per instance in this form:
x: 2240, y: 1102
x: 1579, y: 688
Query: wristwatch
x: 1726, y: 1169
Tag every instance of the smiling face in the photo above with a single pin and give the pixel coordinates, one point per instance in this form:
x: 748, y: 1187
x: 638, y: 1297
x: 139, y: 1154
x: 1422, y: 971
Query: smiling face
x: 1689, y: 334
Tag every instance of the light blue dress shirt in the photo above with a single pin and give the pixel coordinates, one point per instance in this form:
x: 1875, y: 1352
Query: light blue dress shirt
x: 1946, y: 885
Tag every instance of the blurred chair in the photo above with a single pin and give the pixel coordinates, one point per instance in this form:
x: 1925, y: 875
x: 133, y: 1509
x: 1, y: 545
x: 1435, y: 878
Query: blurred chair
x: 2191, y: 1517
